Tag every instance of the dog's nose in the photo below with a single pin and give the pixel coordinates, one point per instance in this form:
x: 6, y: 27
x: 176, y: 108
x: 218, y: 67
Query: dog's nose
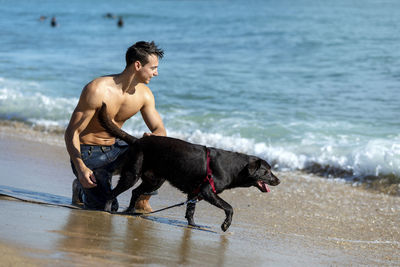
x: 276, y: 181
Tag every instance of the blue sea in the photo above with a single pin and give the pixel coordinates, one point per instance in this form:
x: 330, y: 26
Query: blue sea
x: 307, y: 85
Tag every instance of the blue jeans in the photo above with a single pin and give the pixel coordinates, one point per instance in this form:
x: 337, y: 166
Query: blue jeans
x: 104, y: 161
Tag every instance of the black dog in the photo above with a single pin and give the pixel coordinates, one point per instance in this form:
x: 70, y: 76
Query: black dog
x: 198, y: 171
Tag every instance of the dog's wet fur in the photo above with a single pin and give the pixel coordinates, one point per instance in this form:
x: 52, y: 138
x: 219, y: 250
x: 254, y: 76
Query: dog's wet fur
x: 155, y: 159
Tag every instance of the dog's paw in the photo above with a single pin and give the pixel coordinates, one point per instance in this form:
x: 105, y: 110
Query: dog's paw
x: 108, y: 206
x: 190, y: 221
x: 192, y: 224
x: 225, y: 226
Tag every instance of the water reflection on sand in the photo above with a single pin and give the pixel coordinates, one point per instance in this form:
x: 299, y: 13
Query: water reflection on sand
x: 130, y: 240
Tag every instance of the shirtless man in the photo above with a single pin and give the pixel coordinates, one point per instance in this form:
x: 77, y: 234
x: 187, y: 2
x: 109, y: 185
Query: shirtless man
x: 95, y: 154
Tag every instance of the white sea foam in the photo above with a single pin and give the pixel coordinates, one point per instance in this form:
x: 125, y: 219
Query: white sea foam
x: 16, y: 102
x: 375, y: 157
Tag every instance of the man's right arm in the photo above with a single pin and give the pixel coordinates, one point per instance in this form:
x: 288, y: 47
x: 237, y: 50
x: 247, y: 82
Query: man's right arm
x: 82, y: 115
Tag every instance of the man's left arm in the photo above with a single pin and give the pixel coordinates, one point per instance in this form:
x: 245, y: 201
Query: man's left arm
x: 151, y: 116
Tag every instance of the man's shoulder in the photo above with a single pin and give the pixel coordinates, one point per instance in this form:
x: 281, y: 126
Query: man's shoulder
x: 100, y: 82
x: 144, y: 90
x: 142, y: 86
x: 98, y: 85
x: 146, y: 95
x: 95, y: 91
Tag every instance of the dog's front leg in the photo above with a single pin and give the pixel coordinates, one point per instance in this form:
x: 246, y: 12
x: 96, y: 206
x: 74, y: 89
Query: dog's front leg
x: 215, y: 200
x: 190, y: 208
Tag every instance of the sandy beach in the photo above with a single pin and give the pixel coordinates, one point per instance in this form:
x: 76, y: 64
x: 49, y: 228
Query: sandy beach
x: 306, y: 220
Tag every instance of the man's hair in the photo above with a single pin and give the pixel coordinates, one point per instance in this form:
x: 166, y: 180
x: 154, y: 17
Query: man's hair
x: 140, y: 52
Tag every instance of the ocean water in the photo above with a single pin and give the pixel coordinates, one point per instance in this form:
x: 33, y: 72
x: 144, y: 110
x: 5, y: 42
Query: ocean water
x: 307, y: 85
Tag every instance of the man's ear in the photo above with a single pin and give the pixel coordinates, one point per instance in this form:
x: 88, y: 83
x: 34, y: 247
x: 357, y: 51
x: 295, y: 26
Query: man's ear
x: 137, y: 65
x: 253, y: 166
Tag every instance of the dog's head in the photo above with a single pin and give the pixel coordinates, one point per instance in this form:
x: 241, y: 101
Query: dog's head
x: 259, y: 174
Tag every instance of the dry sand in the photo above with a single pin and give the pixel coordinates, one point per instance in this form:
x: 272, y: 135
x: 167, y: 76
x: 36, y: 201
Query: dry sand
x: 306, y: 220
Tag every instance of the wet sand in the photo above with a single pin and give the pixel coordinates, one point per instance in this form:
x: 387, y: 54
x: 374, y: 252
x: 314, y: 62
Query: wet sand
x: 306, y: 220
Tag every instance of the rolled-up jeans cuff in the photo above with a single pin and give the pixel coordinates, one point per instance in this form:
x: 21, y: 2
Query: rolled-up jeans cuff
x: 151, y: 193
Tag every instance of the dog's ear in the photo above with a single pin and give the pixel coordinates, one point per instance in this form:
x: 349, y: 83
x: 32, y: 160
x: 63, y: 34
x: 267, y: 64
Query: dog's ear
x: 253, y: 166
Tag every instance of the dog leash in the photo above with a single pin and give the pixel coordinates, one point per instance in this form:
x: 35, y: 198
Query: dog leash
x: 42, y: 202
x: 194, y: 200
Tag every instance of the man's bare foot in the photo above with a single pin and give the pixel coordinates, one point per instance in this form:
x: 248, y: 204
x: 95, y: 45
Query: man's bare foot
x: 142, y: 204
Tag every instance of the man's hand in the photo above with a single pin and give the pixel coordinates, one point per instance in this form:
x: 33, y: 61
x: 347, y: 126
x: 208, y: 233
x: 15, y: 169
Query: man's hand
x: 87, y: 179
x: 148, y: 134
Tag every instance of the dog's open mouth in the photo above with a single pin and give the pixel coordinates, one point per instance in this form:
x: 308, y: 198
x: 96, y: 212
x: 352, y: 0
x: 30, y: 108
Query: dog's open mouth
x: 263, y: 186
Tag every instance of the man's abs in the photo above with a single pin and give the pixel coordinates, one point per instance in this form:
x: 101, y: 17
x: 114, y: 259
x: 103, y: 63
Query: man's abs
x: 96, y: 139
x: 95, y: 134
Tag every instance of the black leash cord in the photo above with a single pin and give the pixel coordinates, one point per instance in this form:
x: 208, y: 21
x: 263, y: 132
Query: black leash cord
x: 74, y: 207
x: 194, y: 200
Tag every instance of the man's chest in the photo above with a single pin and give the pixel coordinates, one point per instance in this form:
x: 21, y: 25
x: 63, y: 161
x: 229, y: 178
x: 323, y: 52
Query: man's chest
x: 123, y: 108
x: 126, y: 111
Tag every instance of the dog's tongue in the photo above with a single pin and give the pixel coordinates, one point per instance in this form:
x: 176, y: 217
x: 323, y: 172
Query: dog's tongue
x: 263, y: 187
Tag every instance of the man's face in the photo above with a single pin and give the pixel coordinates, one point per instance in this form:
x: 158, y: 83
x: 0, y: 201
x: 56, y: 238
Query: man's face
x: 148, y: 71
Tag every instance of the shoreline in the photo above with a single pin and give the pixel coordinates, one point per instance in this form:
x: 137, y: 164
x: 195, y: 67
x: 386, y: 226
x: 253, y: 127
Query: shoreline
x: 387, y: 184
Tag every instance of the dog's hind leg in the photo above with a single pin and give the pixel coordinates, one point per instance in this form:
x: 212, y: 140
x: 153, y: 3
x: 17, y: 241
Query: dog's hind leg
x: 144, y: 187
x: 127, y: 180
x: 130, y: 174
x: 215, y: 200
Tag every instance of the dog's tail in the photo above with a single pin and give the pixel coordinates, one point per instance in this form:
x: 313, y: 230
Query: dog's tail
x: 107, y: 123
